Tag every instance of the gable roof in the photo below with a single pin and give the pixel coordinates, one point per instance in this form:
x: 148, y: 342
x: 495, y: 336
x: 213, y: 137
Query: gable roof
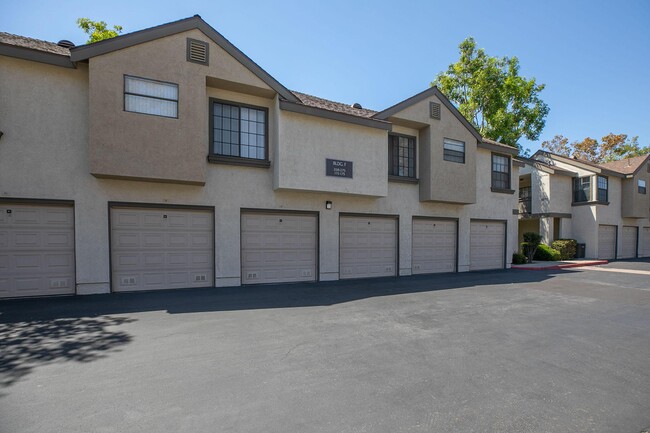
x: 431, y: 91
x: 628, y: 165
x: 84, y: 52
x: 580, y: 163
x: 37, y: 50
x: 543, y: 166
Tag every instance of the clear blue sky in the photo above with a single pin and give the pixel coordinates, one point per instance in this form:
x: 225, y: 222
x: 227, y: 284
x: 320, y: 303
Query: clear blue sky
x: 593, y: 56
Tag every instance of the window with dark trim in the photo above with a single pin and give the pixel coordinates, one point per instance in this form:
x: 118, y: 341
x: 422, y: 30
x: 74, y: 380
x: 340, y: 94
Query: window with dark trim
x: 602, y: 189
x: 239, y: 131
x: 500, y: 171
x: 454, y: 151
x: 581, y: 189
x: 401, y: 155
x: 158, y: 98
x: 641, y: 186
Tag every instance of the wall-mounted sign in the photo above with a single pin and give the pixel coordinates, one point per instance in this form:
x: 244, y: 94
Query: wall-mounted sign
x: 338, y: 168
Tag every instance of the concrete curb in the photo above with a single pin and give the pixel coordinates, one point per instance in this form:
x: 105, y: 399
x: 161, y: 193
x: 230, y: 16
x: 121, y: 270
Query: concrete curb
x: 558, y: 267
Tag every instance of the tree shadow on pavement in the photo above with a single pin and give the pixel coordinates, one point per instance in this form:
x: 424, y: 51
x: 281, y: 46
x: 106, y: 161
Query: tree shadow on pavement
x: 28, y: 344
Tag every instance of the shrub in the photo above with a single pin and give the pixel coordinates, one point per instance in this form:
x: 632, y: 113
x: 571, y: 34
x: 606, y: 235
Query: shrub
x: 530, y: 244
x: 547, y: 254
x: 518, y: 259
x: 566, y: 247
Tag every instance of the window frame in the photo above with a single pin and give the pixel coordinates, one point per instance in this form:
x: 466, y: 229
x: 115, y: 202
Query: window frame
x: 444, y: 150
x: 578, y: 186
x: 390, y: 156
x: 641, y: 189
x: 599, y: 189
x: 124, y: 93
x: 237, y: 160
x: 509, y: 172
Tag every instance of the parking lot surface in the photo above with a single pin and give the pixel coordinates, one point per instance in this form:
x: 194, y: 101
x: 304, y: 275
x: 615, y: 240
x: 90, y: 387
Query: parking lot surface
x: 502, y: 351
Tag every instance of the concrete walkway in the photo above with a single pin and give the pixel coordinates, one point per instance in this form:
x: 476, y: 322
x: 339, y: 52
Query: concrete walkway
x: 553, y: 266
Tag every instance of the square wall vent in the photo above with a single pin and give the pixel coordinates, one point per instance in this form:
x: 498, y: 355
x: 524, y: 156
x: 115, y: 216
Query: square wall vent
x: 197, y: 51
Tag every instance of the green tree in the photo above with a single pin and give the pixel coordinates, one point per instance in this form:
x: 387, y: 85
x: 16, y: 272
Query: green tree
x: 611, y: 147
x: 490, y: 93
x: 97, y: 30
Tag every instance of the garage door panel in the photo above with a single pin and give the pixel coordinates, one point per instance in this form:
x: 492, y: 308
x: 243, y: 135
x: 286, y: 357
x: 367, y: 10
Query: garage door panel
x: 368, y: 246
x: 151, y: 259
x: 629, y: 242
x: 36, y: 250
x: 434, y: 246
x: 278, y: 247
x: 27, y: 216
x: 155, y: 249
x: 606, y: 242
x: 27, y: 240
x: 645, y: 242
x: 487, y: 245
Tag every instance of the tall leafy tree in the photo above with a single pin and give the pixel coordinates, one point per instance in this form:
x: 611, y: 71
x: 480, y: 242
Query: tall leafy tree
x: 493, y: 96
x: 97, y: 30
x: 611, y: 147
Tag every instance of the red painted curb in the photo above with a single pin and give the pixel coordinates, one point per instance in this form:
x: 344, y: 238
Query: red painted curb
x: 558, y: 267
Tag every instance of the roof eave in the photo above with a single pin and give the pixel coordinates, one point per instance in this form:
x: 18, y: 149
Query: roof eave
x: 36, y: 56
x: 579, y: 164
x: 496, y: 148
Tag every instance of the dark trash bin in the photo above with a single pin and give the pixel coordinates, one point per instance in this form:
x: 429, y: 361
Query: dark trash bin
x: 580, y: 251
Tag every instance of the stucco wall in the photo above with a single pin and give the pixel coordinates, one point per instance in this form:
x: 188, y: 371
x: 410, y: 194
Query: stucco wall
x: 561, y: 194
x: 584, y: 229
x: 135, y: 145
x: 636, y: 205
x: 305, y: 142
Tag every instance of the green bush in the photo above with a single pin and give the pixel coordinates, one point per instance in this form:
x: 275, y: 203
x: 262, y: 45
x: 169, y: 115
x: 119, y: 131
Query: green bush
x: 530, y: 244
x: 566, y: 247
x: 518, y: 259
x: 546, y: 254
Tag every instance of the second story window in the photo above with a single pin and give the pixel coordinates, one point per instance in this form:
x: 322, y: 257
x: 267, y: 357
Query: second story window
x: 454, y: 151
x: 602, y: 189
x: 401, y: 155
x: 238, y: 131
x: 581, y: 189
x: 500, y: 172
x: 641, y: 186
x: 153, y: 97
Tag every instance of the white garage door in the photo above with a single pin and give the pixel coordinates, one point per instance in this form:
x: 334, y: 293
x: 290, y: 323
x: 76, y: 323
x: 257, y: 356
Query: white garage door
x: 487, y: 245
x: 628, y: 250
x: 644, y: 242
x: 368, y: 246
x: 36, y: 250
x: 158, y: 248
x: 278, y: 247
x: 606, y: 242
x: 434, y: 246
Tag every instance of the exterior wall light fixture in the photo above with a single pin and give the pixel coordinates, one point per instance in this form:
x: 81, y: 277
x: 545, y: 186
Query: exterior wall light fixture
x: 328, y: 205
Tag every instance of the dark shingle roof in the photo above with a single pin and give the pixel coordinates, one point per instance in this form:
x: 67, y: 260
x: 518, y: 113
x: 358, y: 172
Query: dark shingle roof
x: 32, y: 44
x: 626, y: 166
x: 314, y: 101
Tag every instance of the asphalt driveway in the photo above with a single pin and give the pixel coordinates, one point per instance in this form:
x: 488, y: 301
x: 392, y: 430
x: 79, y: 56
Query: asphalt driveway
x: 505, y: 351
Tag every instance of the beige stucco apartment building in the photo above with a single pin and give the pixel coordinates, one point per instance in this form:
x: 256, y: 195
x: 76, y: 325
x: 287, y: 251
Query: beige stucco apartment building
x: 166, y: 158
x: 604, y: 206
